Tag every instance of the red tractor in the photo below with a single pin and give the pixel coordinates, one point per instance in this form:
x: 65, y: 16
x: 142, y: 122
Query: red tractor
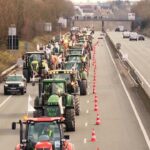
x: 44, y: 133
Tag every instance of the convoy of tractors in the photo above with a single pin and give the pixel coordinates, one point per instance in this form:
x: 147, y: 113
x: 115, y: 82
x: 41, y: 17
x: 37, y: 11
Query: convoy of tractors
x: 61, y: 69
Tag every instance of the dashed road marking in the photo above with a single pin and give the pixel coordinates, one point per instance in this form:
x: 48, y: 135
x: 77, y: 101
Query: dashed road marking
x: 5, y: 101
x: 85, y: 141
x: 87, y: 111
x: 86, y: 124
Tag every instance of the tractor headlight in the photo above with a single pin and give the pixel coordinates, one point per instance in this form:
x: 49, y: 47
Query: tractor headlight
x: 21, y: 84
x: 6, y: 85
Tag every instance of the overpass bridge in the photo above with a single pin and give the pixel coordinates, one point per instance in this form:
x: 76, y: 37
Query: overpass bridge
x: 103, y: 23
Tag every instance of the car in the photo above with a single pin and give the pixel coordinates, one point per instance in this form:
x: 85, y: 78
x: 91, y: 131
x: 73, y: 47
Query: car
x: 141, y: 37
x: 133, y: 36
x: 119, y: 29
x: 101, y: 36
x: 15, y: 83
x: 126, y: 34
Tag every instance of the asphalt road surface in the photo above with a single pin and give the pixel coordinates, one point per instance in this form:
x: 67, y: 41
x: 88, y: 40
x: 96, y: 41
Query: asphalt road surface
x: 119, y: 129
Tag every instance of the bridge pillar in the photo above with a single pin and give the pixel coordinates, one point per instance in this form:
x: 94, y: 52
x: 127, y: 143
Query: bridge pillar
x: 103, y: 26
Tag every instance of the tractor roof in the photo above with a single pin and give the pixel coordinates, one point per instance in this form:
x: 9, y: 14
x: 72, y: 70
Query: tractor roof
x: 54, y: 80
x: 65, y: 71
x: 35, y: 52
x: 45, y: 119
x: 75, y: 49
x: 71, y: 55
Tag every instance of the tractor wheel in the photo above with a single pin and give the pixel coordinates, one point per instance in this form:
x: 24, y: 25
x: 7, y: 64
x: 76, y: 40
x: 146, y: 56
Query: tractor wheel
x: 26, y: 74
x: 36, y: 102
x: 70, y: 119
x: 77, y: 106
x: 83, y: 87
x: 22, y: 91
x: 5, y: 92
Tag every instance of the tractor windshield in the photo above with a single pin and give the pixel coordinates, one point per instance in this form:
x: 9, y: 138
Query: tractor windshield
x: 75, y: 52
x: 73, y: 66
x: 35, y: 57
x: 58, y: 88
x: 54, y: 88
x: 74, y: 58
x: 62, y: 76
x: 41, y: 131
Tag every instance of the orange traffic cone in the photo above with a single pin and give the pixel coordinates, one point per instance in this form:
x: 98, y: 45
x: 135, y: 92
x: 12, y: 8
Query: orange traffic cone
x: 98, y: 120
x: 94, y: 89
x: 95, y: 99
x: 97, y: 148
x: 95, y: 66
x: 95, y: 107
x: 93, y: 138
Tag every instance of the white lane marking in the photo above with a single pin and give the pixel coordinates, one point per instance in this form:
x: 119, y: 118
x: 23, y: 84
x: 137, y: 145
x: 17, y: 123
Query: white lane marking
x: 85, y: 141
x: 87, y: 101
x: 86, y: 124
x: 87, y: 111
x: 5, y: 101
x: 131, y: 101
x: 139, y: 73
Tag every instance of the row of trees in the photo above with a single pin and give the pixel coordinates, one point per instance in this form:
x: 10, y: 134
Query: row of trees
x: 29, y: 15
x: 142, y: 13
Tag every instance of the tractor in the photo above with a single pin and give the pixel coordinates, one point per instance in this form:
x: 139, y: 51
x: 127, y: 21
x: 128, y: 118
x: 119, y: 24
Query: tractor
x: 33, y: 65
x: 82, y: 72
x: 45, y: 133
x: 54, y: 101
x: 71, y: 78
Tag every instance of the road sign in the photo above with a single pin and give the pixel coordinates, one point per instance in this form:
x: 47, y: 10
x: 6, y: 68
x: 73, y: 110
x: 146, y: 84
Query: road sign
x: 131, y: 16
x: 12, y: 42
x: 48, y: 27
x: 12, y: 31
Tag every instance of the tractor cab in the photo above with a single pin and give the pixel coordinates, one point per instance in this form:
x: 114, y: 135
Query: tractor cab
x: 82, y: 72
x: 44, y: 133
x: 54, y: 86
x: 71, y: 77
x: 33, y: 64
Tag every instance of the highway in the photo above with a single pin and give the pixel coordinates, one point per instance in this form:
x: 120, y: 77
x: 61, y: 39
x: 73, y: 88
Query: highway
x: 119, y: 129
x: 138, y: 53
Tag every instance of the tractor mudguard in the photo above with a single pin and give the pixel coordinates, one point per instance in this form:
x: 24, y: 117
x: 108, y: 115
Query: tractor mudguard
x: 69, y: 101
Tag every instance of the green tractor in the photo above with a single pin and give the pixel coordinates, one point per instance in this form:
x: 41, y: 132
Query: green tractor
x: 33, y: 65
x: 54, y: 101
x: 72, y: 78
x: 82, y: 74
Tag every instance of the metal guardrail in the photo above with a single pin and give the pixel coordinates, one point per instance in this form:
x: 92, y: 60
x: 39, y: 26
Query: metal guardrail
x: 7, y: 71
